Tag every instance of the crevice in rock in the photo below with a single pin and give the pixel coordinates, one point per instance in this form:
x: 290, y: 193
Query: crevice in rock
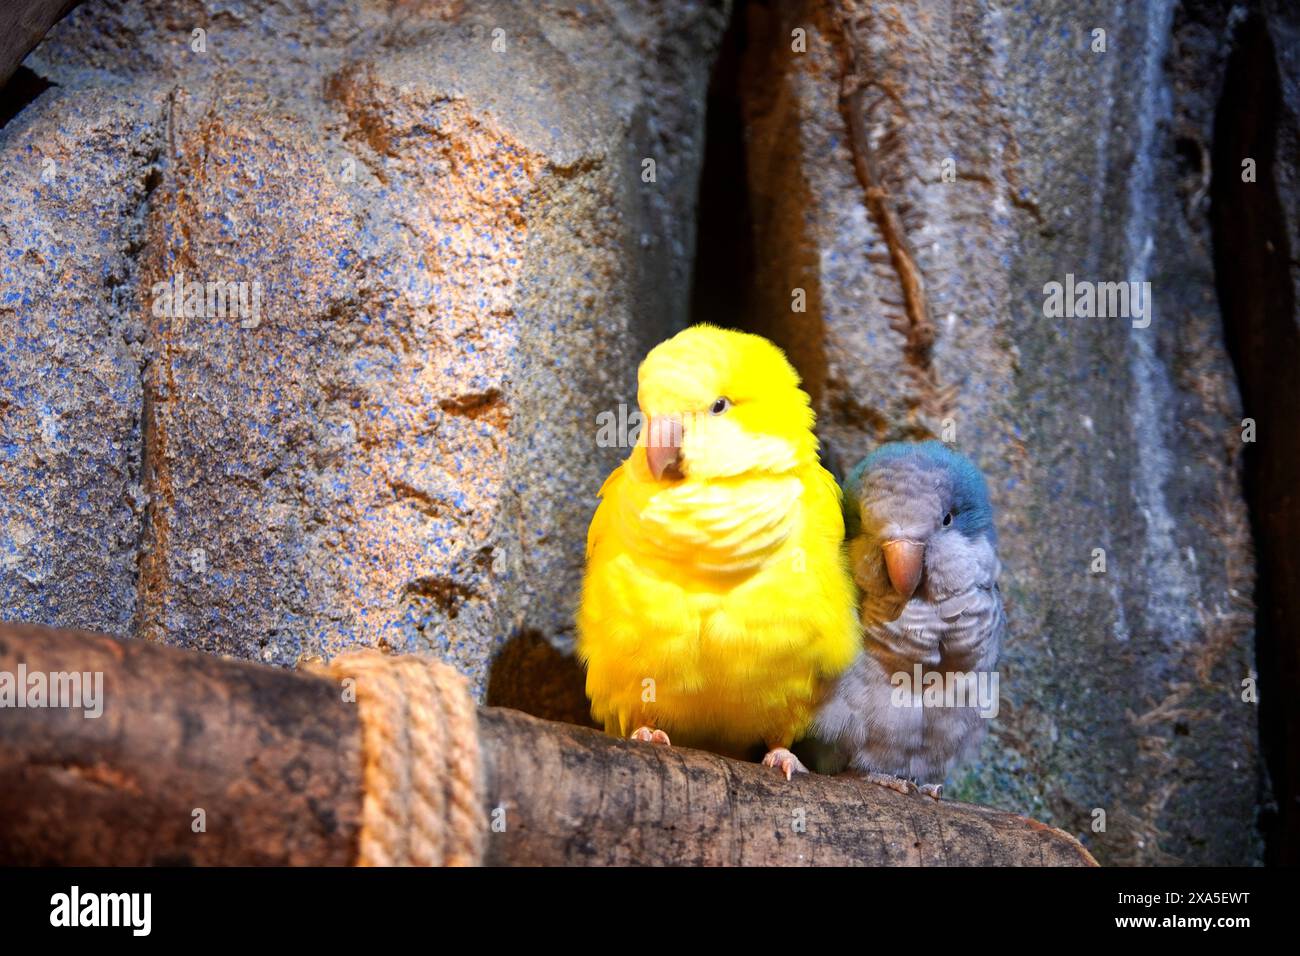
x: 489, y: 405
x: 754, y: 253
x: 916, y: 324
x: 421, y: 500
x: 135, y: 337
x: 723, y: 273
x: 1252, y: 261
x: 23, y: 87
x: 443, y: 592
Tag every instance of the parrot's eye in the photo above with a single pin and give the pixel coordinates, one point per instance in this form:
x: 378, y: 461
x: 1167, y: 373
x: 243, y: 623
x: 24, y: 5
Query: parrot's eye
x: 720, y: 405
x: 947, y: 519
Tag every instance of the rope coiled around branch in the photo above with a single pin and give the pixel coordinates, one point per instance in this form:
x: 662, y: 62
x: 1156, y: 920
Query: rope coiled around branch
x: 423, y: 800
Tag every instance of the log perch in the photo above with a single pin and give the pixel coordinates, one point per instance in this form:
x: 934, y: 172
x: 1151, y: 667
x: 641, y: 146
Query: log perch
x: 273, y: 760
x: 25, y: 24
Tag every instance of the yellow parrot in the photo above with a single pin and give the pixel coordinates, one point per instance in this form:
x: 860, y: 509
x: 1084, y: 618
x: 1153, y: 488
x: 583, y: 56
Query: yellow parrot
x: 717, y: 603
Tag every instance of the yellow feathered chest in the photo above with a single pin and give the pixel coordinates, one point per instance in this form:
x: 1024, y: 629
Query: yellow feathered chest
x: 715, y: 609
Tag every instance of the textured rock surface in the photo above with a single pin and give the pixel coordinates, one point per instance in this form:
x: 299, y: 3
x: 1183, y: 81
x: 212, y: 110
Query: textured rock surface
x: 70, y: 392
x: 1121, y: 692
x: 459, y: 265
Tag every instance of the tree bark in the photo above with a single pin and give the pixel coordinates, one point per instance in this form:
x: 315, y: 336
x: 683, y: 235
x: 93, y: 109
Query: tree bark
x: 27, y: 22
x: 576, y: 797
x: 267, y: 761
x: 273, y: 759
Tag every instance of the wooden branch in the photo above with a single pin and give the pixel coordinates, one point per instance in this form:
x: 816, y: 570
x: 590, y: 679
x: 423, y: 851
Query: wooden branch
x: 273, y: 759
x: 25, y: 24
x: 574, y: 796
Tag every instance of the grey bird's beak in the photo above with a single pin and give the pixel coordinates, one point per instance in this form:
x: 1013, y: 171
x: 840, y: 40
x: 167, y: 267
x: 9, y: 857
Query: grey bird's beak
x: 663, y: 447
x: 904, y: 561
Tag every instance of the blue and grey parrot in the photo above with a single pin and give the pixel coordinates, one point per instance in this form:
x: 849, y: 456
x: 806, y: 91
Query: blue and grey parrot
x: 922, y: 547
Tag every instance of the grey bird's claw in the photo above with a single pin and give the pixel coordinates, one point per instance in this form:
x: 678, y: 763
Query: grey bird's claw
x: 892, y: 782
x: 784, y: 761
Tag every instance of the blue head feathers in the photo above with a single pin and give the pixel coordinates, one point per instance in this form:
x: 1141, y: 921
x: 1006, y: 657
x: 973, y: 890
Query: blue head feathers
x: 972, y: 513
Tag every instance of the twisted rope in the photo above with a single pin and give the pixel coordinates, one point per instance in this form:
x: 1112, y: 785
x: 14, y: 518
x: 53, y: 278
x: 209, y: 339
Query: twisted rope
x: 423, y: 800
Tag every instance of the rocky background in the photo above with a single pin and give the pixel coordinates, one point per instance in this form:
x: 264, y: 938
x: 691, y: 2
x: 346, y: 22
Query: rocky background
x: 465, y: 251
x: 461, y: 265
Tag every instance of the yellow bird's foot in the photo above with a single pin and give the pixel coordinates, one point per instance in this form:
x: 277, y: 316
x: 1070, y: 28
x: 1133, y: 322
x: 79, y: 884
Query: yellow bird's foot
x: 933, y: 790
x: 890, y: 781
x: 648, y: 735
x: 784, y: 761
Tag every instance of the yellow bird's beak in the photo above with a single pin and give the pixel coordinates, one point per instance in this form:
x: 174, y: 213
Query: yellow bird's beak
x: 663, y: 447
x: 904, y: 561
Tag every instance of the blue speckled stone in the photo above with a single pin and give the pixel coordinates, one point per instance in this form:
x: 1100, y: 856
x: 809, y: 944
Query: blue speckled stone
x: 401, y: 451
